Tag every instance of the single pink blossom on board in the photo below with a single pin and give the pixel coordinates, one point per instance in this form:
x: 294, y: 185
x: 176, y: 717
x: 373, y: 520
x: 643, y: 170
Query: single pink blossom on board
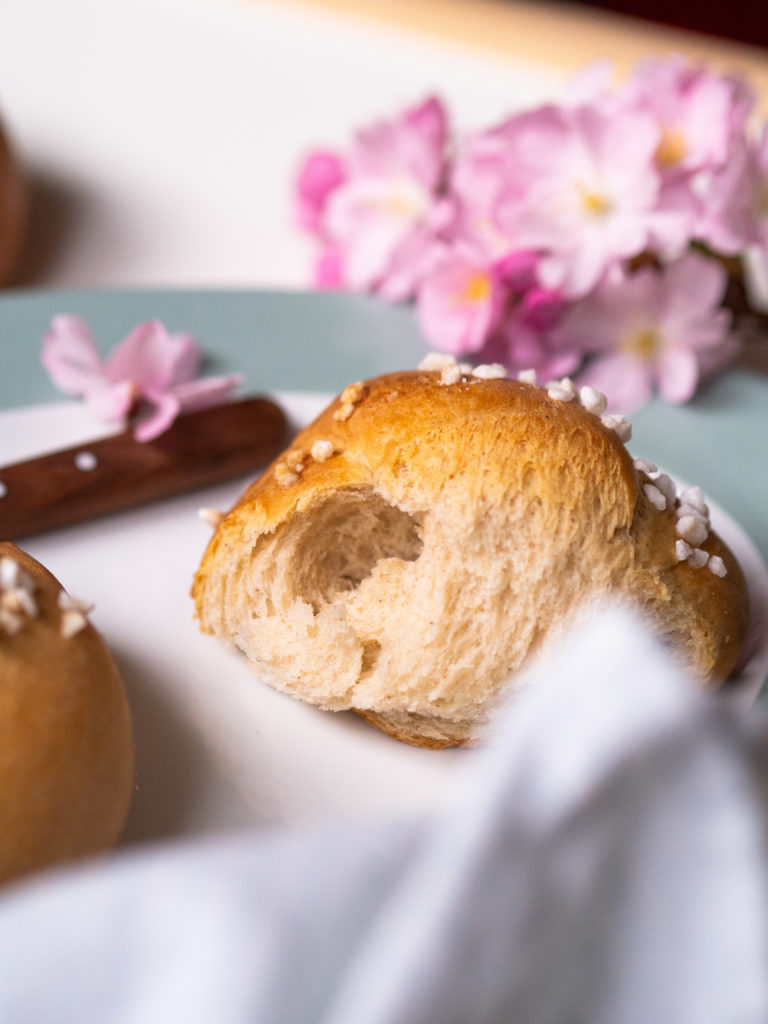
x: 151, y: 371
x: 582, y: 191
x: 654, y: 329
x: 384, y: 217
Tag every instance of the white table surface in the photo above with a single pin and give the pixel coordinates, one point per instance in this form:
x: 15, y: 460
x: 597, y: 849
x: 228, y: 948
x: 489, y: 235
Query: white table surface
x: 161, y: 136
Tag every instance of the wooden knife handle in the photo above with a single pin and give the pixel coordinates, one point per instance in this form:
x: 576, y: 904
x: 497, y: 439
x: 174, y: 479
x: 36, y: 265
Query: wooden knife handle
x: 118, y: 472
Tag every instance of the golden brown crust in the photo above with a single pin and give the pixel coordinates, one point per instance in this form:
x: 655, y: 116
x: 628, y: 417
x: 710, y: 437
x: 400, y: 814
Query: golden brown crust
x: 66, y: 755
x: 502, y: 514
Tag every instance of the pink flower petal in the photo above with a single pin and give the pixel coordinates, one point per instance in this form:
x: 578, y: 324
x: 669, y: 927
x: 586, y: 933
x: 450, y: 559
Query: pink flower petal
x: 112, y: 402
x: 186, y: 397
x: 627, y: 382
x: 517, y: 270
x: 581, y: 187
x: 321, y: 173
x: 153, y: 359
x: 329, y: 268
x: 380, y: 221
x: 165, y: 408
x: 426, y: 128
x: 200, y: 394
x: 459, y: 302
x: 530, y: 349
x: 678, y: 374
x: 541, y: 308
x: 406, y: 267
x: 71, y: 358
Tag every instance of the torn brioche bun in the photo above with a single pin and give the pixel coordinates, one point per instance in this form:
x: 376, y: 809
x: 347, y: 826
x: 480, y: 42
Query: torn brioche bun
x: 66, y: 751
x: 13, y: 209
x: 422, y: 540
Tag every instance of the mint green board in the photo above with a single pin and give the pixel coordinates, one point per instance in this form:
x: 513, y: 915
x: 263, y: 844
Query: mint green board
x: 322, y: 341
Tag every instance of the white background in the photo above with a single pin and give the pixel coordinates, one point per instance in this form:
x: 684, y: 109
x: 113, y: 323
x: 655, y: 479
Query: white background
x: 161, y: 136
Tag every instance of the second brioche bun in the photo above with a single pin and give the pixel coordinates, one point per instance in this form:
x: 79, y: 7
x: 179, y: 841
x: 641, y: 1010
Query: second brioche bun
x: 422, y: 540
x: 66, y: 753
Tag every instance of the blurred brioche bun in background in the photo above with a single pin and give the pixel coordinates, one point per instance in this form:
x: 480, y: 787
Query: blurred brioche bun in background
x: 13, y: 208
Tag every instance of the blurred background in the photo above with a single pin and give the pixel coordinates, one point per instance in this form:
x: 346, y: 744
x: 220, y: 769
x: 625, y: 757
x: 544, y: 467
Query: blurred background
x: 727, y: 21
x: 159, y: 139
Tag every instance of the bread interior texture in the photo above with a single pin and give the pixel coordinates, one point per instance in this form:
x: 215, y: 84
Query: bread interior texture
x: 418, y: 616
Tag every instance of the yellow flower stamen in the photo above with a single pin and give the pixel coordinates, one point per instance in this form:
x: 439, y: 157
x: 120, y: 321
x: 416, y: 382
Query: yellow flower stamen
x: 672, y: 148
x: 644, y: 343
x: 595, y: 203
x: 477, y: 288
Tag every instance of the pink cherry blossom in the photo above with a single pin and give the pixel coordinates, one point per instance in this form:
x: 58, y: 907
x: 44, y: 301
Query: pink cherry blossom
x: 519, y: 242
x: 582, y: 191
x: 460, y: 300
x: 380, y: 217
x: 702, y: 119
x: 699, y: 112
x: 651, y: 329
x: 150, y: 371
x: 496, y: 311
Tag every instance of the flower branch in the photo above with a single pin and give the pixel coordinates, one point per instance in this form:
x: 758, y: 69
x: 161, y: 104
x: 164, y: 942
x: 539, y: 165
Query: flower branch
x: 616, y: 234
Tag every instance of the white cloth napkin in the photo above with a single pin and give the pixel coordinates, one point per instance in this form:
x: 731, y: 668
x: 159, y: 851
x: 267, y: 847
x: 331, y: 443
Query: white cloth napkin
x: 604, y: 861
